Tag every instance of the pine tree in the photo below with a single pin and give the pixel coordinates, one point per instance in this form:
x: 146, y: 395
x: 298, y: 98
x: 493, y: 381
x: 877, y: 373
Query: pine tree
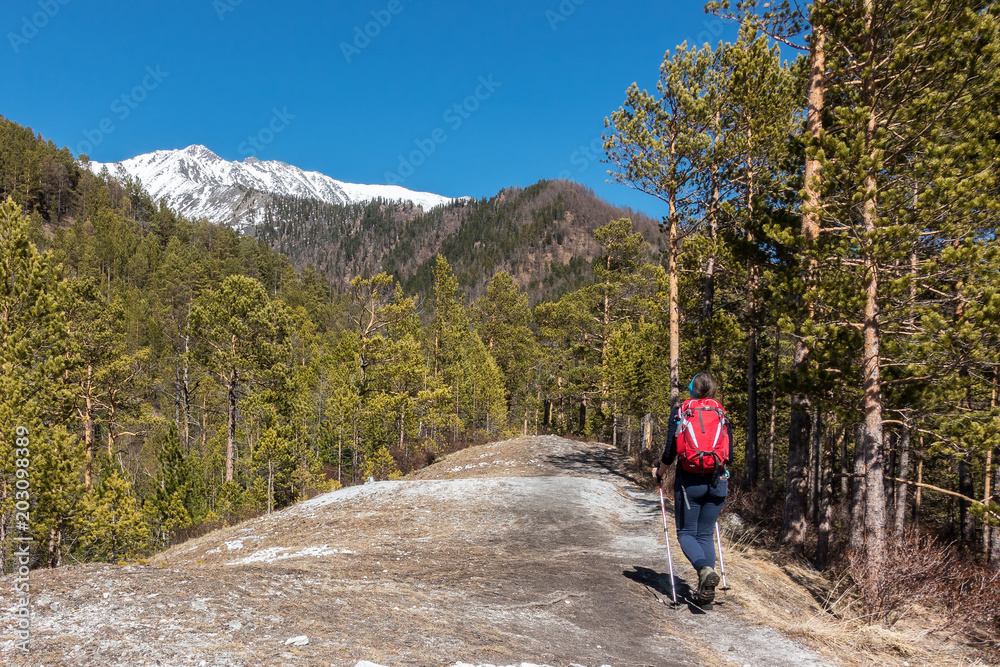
x: 56, y: 490
x: 275, y: 457
x: 580, y: 326
x: 114, y: 528
x: 788, y: 22
x: 623, y: 283
x: 657, y: 144
x: 171, y: 505
x: 503, y: 322
x: 570, y: 337
x: 380, y: 465
x: 451, y: 322
x: 35, y: 356
x: 243, y: 335
x: 758, y: 110
x: 459, y: 359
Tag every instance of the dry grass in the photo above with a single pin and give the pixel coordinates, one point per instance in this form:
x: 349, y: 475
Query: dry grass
x: 934, y: 606
x: 803, y: 603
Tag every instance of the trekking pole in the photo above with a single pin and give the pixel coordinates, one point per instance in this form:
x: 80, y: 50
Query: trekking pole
x: 722, y: 564
x: 666, y: 537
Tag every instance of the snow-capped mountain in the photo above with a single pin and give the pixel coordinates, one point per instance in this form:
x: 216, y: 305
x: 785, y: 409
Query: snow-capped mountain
x: 197, y: 183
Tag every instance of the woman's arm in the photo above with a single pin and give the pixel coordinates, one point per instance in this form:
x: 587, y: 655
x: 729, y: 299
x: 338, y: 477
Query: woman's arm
x: 669, y: 449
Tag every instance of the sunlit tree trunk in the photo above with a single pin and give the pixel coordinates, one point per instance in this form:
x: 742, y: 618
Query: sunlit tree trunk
x: 793, y: 528
x: 904, y: 474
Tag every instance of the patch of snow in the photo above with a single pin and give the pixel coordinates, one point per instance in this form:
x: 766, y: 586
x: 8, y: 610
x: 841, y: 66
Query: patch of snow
x: 268, y: 555
x: 272, y: 554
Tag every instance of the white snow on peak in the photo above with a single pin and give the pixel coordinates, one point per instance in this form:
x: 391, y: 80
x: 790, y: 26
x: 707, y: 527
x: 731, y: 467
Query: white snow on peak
x: 199, y: 184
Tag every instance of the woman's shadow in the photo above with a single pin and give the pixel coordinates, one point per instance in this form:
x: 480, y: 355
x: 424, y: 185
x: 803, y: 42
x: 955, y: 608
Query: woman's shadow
x: 659, y: 584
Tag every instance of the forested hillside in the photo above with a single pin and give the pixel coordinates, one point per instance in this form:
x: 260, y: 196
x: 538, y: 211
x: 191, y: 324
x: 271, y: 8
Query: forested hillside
x: 542, y: 235
x: 181, y: 375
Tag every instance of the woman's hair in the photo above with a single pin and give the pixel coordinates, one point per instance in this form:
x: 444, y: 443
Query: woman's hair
x: 704, y: 385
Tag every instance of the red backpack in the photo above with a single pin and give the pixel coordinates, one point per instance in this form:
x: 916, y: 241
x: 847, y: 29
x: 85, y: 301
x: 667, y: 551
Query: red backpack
x: 702, y: 436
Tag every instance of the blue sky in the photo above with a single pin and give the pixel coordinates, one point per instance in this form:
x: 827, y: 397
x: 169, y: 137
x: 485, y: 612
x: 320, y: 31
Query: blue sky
x: 456, y: 98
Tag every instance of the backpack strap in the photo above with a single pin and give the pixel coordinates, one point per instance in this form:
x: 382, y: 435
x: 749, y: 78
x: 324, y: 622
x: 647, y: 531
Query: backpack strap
x: 718, y: 473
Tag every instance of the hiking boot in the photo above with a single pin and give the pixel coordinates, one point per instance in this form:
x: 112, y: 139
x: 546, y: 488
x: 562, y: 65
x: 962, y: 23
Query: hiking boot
x: 707, y: 581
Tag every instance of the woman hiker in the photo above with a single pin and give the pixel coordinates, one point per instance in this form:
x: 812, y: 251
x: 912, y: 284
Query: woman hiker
x: 701, y: 480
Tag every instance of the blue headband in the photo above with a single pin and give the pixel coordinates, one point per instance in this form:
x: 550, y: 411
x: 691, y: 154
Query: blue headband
x: 691, y: 386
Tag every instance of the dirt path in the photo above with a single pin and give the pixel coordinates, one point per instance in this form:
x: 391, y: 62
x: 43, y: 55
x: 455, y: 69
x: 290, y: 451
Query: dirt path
x: 535, y: 550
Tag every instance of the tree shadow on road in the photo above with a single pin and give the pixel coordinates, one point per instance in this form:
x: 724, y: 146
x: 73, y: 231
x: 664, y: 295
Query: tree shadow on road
x: 604, y: 460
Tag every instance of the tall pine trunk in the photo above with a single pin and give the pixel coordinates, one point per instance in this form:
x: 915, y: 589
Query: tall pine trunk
x: 857, y: 538
x: 992, y: 534
x: 815, y: 462
x: 890, y: 442
x: 88, y: 427
x: 751, y: 457
x: 605, y: 338
x: 966, y: 487
x: 793, y: 525
x: 875, y: 514
x: 231, y: 430
x: 918, y: 493
x: 904, y: 475
x: 185, y: 395
x: 845, y: 480
x: 774, y: 405
x: 673, y: 303
x: 994, y: 548
x: 708, y: 296
x: 825, y: 517
x: 55, y: 547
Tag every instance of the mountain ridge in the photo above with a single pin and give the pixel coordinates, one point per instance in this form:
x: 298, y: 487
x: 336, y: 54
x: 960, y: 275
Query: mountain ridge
x: 197, y: 183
